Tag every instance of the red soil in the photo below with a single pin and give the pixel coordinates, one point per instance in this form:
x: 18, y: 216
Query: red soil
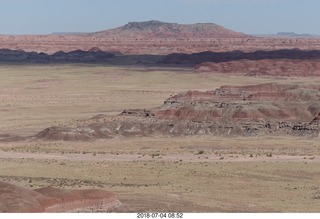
x: 16, y: 199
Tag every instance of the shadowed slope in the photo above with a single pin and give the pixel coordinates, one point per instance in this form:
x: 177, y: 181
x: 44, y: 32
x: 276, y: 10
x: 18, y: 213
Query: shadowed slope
x: 217, y: 57
x: 78, y: 56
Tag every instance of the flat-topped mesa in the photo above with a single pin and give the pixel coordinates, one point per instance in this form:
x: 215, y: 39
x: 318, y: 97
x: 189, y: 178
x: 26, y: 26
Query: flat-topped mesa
x: 158, y: 29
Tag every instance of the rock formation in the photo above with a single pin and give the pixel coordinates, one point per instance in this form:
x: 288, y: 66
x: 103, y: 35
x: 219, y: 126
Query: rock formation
x: 264, y: 109
x: 158, y: 30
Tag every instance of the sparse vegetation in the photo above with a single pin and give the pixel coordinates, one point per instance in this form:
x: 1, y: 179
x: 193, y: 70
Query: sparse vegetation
x: 155, y: 155
x: 269, y: 154
x: 200, y: 152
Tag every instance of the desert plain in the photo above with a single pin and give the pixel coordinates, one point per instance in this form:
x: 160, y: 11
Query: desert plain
x: 160, y: 137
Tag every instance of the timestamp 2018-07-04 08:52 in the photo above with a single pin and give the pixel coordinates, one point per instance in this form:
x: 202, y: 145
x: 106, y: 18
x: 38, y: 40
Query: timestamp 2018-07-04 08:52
x: 159, y: 215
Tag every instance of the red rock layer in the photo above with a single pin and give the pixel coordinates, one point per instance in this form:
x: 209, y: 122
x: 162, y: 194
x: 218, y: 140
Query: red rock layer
x: 270, y: 102
x: 302, y: 68
x: 157, y: 46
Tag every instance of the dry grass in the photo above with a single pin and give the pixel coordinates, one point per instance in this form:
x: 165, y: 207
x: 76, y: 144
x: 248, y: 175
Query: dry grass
x: 294, y: 146
x: 244, y: 187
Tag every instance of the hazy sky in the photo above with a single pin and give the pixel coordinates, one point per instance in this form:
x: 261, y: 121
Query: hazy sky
x: 249, y: 16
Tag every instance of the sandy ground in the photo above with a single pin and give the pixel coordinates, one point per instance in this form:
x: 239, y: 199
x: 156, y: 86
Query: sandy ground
x: 184, y: 158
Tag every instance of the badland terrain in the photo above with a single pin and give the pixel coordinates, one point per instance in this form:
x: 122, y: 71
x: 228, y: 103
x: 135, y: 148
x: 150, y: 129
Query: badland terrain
x: 155, y: 116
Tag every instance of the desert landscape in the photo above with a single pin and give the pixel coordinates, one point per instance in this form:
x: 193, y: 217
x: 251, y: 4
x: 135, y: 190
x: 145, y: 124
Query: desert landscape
x: 159, y: 117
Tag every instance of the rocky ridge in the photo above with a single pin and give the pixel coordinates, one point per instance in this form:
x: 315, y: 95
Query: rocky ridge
x: 7, y: 55
x: 217, y: 57
x: 288, y: 63
x: 272, y: 63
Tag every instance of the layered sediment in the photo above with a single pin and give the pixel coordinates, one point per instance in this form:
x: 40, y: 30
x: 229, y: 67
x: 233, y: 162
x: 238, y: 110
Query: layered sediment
x: 254, y: 110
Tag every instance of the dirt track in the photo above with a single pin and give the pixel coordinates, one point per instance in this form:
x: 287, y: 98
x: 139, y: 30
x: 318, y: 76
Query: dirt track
x: 180, y: 158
